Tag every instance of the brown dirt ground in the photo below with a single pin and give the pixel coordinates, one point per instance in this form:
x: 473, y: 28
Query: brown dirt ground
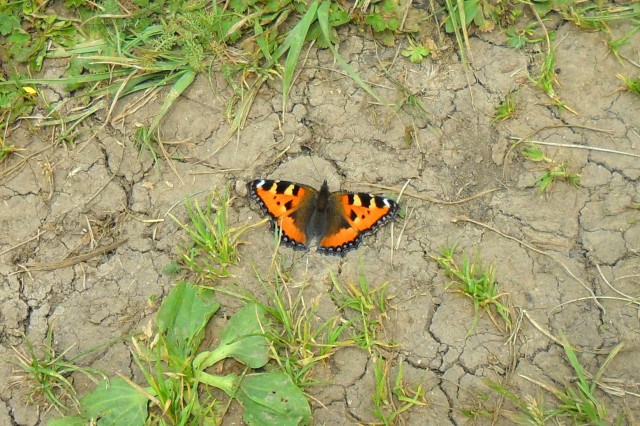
x: 101, y: 190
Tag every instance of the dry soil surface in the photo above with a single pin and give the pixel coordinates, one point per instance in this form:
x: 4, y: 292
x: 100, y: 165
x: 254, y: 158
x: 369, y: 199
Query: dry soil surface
x: 552, y: 252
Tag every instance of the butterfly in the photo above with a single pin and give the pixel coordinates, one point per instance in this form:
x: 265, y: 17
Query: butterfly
x: 338, y: 220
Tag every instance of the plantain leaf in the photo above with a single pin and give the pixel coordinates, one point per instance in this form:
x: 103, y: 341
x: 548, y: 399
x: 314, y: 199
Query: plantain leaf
x: 242, y: 338
x: 115, y: 403
x: 272, y: 399
x: 182, y: 317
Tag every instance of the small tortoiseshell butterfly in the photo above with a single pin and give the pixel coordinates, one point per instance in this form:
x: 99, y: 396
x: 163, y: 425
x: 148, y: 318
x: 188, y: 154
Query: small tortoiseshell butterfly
x: 337, y: 219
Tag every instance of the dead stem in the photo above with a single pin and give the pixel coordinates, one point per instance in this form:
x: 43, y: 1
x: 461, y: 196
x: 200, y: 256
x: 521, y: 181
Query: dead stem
x: 429, y: 199
x: 73, y: 260
x: 35, y: 237
x: 575, y: 146
x: 16, y: 167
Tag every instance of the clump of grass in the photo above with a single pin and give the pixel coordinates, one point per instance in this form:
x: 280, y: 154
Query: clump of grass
x: 47, y: 376
x: 595, y: 16
x: 576, y: 401
x: 391, y: 401
x: 214, y: 243
x: 301, y: 340
x: 365, y: 309
x: 506, y: 109
x: 558, y: 171
x: 178, y: 380
x: 554, y: 171
x: 151, y: 48
x: 632, y: 84
x: 615, y: 44
x: 547, y: 79
x: 6, y: 150
x: 477, y: 283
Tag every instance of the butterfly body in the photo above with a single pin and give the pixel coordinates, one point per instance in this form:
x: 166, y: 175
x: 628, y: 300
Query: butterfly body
x: 337, y: 220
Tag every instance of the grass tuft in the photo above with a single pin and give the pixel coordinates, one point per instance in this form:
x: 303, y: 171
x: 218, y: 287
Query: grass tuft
x: 477, y: 283
x: 365, y: 309
x: 47, y: 377
x: 632, y: 84
x: 506, y: 109
x: 214, y: 243
x: 390, y: 401
x: 301, y: 340
x: 577, y: 401
x: 554, y: 171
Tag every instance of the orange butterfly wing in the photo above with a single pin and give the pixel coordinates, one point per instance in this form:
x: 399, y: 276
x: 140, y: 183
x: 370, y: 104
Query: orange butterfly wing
x: 288, y: 204
x: 353, y: 215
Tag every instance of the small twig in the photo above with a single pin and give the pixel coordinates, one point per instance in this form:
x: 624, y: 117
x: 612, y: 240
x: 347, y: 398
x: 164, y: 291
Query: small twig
x: 73, y: 260
x: 404, y: 226
x: 580, y: 299
x: 21, y: 163
x: 569, y: 126
x: 541, y: 129
x: 558, y: 341
x: 634, y: 299
x: 169, y: 160
x: 571, y: 145
x: 407, y: 6
x: 544, y: 28
x: 530, y: 247
x: 23, y: 243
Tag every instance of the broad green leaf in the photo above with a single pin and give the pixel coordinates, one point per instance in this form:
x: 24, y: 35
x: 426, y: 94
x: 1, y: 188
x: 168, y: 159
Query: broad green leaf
x: 469, y: 11
x: 116, y: 403
x: 242, y: 338
x: 68, y: 421
x: 183, y: 316
x: 8, y: 23
x: 376, y: 22
x: 272, y: 399
x: 416, y: 53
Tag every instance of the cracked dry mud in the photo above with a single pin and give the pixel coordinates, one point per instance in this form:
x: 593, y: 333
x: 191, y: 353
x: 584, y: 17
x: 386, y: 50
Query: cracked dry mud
x: 96, y: 193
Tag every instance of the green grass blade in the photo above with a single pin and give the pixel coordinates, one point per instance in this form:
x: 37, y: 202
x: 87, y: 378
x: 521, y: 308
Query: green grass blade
x: 88, y: 78
x: 294, y: 42
x: 180, y: 86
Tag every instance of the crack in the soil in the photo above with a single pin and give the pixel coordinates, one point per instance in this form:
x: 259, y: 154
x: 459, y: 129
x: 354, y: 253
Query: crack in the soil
x: 10, y: 412
x: 611, y: 169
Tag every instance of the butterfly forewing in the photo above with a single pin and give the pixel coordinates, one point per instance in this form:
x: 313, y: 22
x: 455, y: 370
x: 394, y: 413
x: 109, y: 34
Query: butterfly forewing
x: 366, y: 212
x: 286, y: 203
x: 279, y: 198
